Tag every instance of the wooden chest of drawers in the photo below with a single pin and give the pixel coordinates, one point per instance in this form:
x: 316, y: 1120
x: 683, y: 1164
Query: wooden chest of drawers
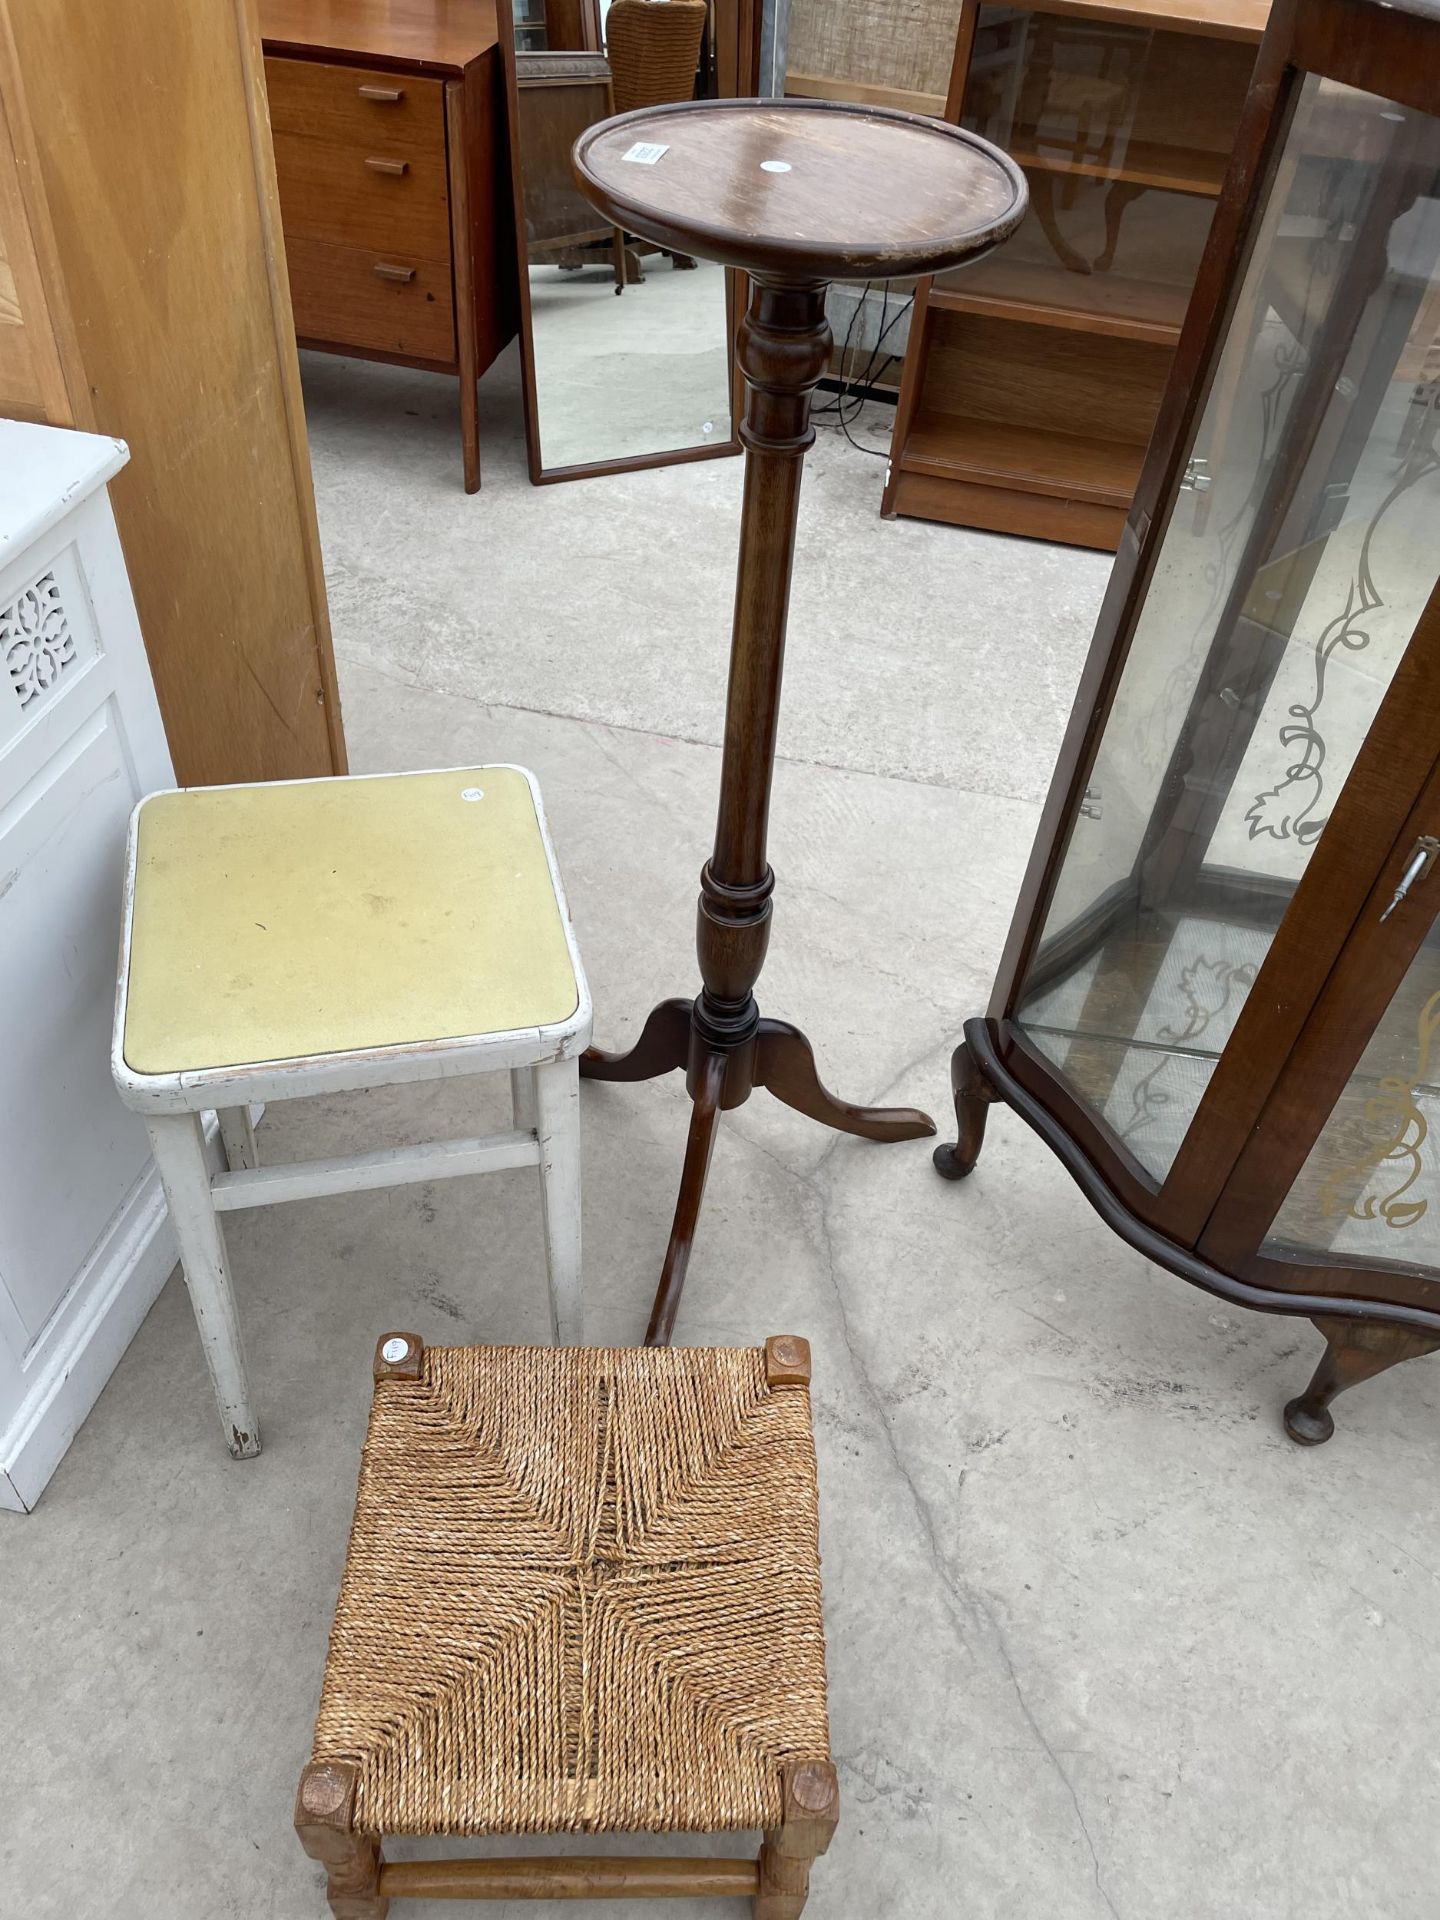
x: 392, y: 161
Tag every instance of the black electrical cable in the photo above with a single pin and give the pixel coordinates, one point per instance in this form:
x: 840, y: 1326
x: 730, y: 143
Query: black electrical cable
x: 837, y: 404
x: 870, y: 374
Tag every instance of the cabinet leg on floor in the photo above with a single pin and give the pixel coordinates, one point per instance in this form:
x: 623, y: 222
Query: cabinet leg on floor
x: 1356, y: 1350
x: 974, y: 1097
x: 467, y: 356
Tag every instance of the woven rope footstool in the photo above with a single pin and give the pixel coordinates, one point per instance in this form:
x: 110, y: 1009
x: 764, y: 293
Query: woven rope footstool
x: 582, y: 1595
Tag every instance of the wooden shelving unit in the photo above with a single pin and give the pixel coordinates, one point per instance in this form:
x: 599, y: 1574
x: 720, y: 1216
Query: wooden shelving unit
x: 1032, y: 379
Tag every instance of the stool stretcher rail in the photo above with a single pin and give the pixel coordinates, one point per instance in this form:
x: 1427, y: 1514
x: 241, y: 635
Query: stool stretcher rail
x: 581, y: 1877
x: 387, y: 1167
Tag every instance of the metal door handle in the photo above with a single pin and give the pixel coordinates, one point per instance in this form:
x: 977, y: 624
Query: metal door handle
x: 396, y: 167
x: 1422, y: 858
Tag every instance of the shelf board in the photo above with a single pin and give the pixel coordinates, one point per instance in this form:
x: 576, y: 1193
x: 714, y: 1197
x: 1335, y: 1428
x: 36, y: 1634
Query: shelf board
x: 817, y: 86
x: 952, y: 446
x: 1144, y: 163
x: 1213, y: 19
x: 1051, y: 296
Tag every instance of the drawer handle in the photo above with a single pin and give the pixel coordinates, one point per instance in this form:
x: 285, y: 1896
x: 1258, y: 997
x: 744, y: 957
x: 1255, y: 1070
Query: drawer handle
x: 390, y: 96
x: 393, y: 167
x: 386, y: 272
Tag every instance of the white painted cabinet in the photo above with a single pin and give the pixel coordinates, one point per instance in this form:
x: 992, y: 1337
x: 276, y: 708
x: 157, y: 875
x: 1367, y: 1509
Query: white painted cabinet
x: 84, y: 1240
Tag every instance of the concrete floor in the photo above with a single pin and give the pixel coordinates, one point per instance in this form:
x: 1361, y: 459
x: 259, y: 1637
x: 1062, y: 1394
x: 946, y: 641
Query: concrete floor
x: 1102, y: 1642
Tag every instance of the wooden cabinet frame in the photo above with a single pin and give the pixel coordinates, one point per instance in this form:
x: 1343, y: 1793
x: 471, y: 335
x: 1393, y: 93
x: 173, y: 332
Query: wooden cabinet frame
x: 1332, y: 968
x: 1064, y: 352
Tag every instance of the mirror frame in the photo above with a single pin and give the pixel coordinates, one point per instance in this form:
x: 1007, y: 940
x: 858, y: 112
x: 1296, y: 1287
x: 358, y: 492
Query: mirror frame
x: 736, y: 70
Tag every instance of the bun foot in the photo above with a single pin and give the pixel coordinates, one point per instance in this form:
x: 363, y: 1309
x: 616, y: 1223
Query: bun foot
x: 1308, y: 1426
x: 1354, y: 1351
x: 949, y: 1163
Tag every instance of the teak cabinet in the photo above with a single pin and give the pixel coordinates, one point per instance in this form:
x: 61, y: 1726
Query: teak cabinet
x: 1032, y: 378
x: 1220, y: 999
x: 142, y: 295
x: 392, y: 159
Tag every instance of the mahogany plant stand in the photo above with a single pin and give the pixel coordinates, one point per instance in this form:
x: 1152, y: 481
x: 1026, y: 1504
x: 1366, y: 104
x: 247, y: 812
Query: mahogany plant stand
x: 796, y: 194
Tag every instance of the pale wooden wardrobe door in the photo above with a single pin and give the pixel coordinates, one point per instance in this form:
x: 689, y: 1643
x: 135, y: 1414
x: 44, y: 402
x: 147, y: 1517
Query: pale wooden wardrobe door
x: 153, y: 142
x: 33, y: 385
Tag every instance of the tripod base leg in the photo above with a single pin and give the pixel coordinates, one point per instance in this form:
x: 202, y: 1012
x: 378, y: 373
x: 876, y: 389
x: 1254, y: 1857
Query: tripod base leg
x: 664, y: 1045
x: 785, y: 1065
x: 699, y: 1145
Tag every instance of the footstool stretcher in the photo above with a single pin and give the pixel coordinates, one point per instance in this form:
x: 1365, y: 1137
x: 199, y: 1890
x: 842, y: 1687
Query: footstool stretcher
x: 582, y: 1595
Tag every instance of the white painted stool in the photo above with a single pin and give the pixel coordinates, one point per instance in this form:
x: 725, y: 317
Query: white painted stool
x: 318, y: 936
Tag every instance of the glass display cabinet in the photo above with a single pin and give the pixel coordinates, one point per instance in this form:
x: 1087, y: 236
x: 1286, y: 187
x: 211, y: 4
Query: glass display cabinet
x: 1220, y: 998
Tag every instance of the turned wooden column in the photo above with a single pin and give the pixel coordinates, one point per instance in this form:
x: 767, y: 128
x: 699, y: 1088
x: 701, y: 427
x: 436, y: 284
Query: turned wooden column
x: 795, y: 194
x: 783, y: 347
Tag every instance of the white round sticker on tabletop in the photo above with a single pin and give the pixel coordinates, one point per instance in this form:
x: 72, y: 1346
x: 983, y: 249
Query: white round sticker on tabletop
x: 472, y: 793
x: 775, y: 166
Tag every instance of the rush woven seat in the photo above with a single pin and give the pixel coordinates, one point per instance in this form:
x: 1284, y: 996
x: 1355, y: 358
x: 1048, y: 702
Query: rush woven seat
x: 582, y: 1594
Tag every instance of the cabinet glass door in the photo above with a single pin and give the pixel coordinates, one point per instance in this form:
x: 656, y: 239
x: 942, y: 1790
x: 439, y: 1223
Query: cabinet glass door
x: 1296, y: 562
x: 532, y: 32
x: 1370, y: 1187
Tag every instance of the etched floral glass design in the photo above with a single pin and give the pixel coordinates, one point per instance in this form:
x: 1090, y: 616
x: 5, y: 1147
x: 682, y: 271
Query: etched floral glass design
x: 1369, y: 1185
x: 1289, y: 580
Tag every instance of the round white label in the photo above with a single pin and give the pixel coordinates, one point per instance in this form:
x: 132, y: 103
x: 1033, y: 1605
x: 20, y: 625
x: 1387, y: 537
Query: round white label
x: 775, y: 166
x: 472, y: 793
x: 394, y: 1351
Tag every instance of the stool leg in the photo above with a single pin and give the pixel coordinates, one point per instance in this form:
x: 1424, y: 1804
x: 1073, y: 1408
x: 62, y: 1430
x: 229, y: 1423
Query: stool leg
x: 324, y: 1810
x: 812, y: 1809
x: 178, y: 1144
x: 557, y: 1103
x: 522, y: 1098
x: 237, y: 1132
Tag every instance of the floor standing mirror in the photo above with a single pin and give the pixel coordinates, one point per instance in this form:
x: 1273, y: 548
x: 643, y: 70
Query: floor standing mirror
x: 626, y: 350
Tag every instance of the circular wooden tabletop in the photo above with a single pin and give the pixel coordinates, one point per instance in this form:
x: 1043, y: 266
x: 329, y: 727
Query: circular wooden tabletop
x: 802, y: 190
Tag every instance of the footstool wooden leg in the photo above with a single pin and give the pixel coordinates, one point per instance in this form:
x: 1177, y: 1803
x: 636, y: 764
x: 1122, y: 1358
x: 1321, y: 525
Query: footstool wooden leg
x: 324, y: 1810
x: 557, y: 1104
x: 178, y: 1145
x: 812, y: 1809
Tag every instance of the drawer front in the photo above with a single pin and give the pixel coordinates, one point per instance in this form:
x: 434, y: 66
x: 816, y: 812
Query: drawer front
x: 341, y: 299
x: 355, y: 106
x: 381, y: 197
